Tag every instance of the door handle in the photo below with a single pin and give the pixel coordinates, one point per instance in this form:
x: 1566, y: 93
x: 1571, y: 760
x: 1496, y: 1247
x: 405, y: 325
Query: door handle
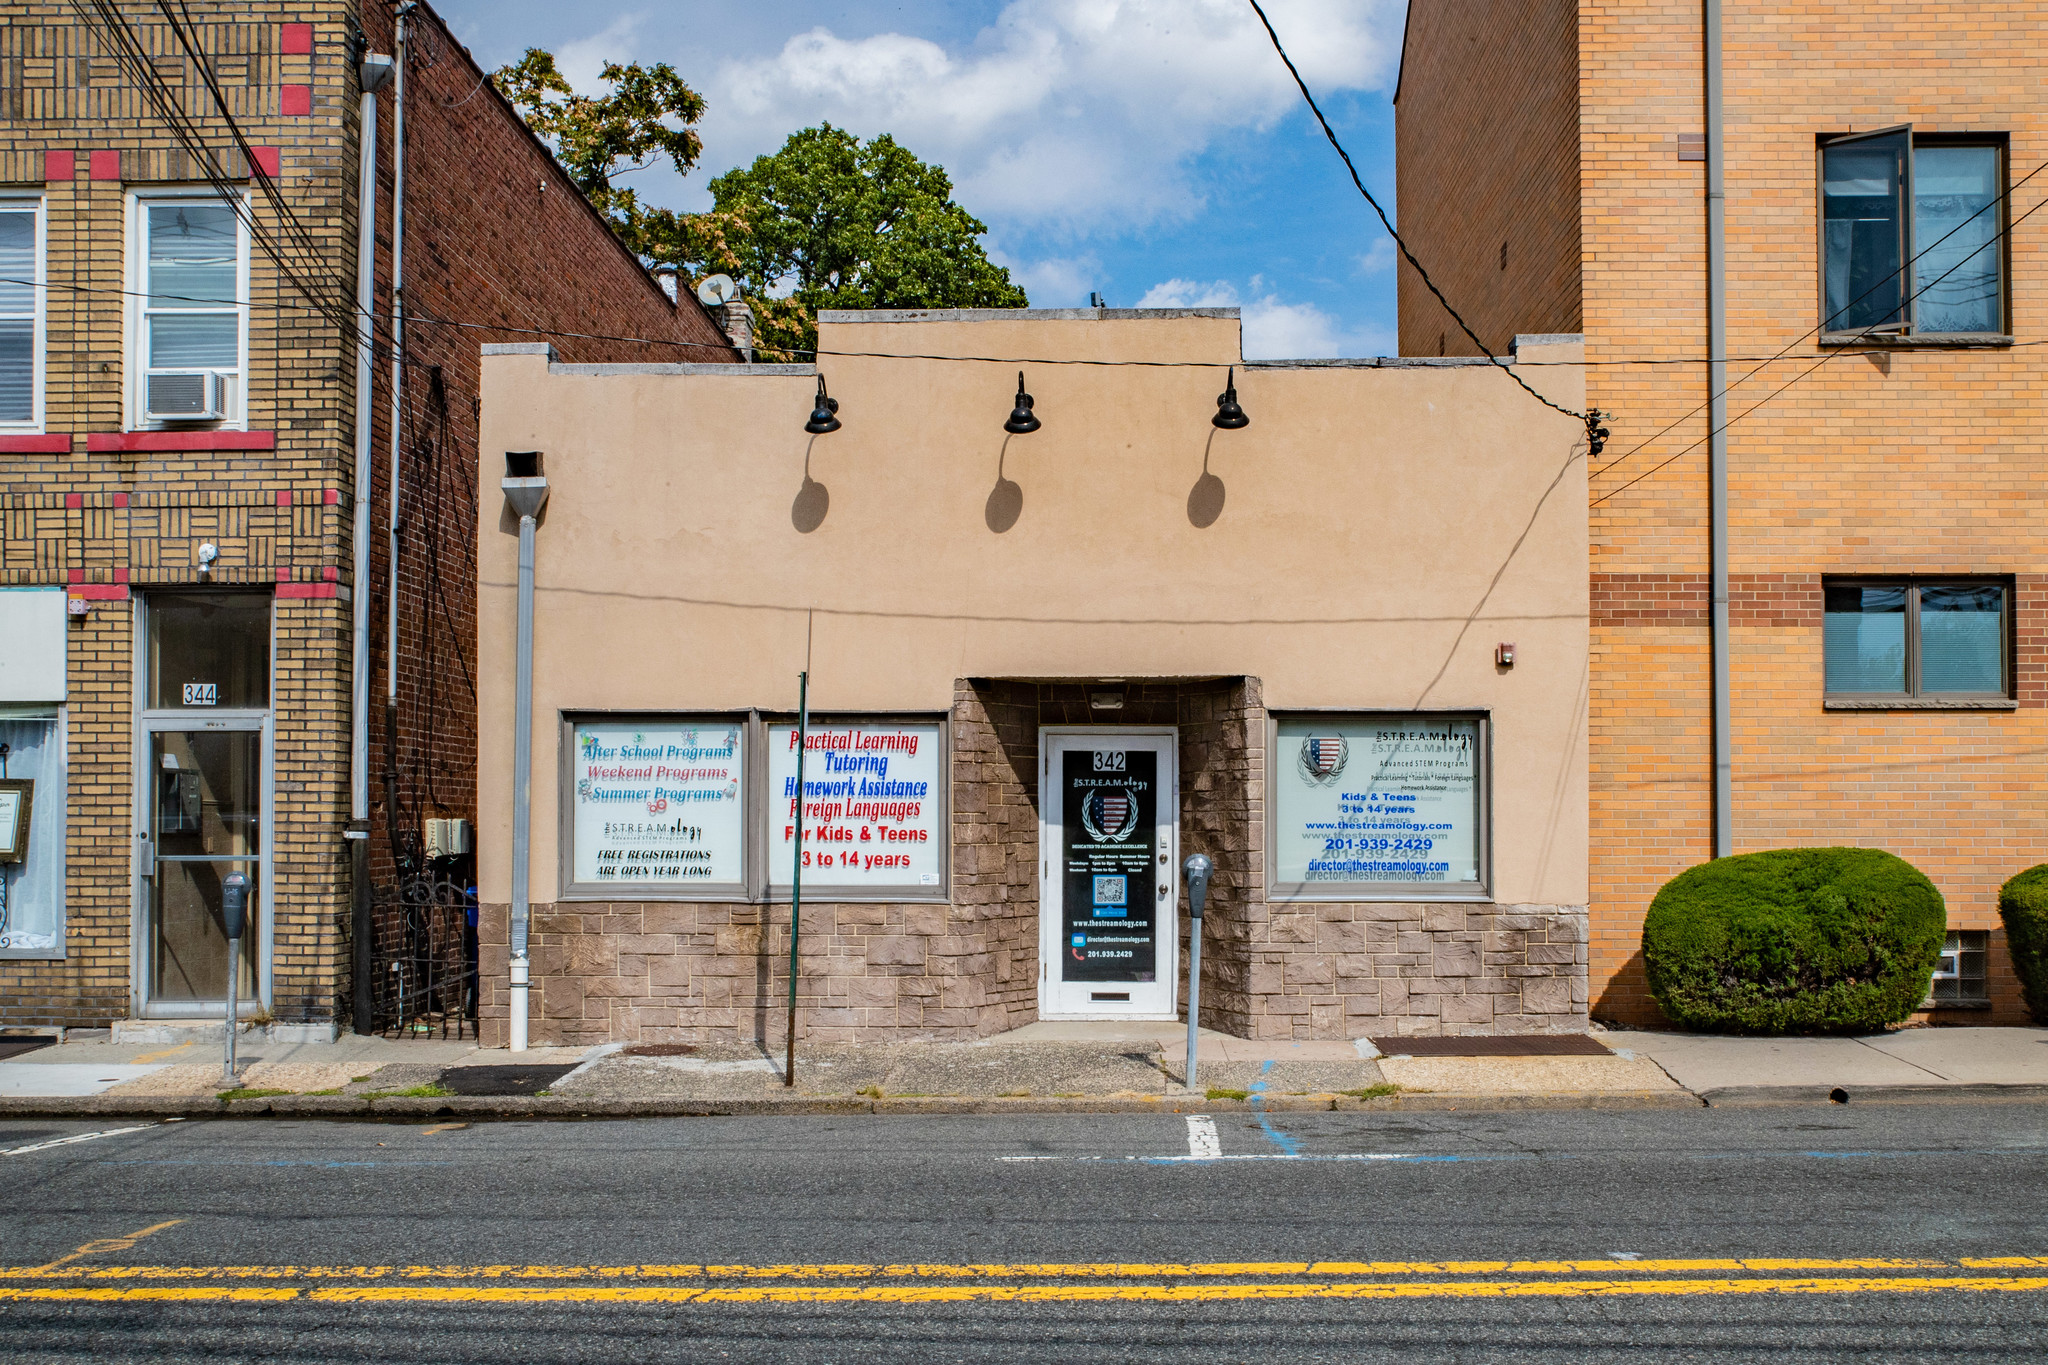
x: 1163, y: 890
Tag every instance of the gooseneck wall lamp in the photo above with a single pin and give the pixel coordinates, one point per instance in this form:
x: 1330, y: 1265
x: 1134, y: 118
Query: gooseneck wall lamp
x: 1229, y: 415
x: 1021, y: 417
x: 824, y: 414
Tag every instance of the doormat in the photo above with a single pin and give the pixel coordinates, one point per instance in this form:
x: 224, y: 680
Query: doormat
x: 1532, y: 1045
x: 502, y: 1080
x: 14, y: 1047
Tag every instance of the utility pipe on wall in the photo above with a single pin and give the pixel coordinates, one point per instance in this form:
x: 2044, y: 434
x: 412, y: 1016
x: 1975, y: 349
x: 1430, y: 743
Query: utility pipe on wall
x: 374, y: 74
x: 1717, y: 441
x: 397, y: 365
x: 526, y: 491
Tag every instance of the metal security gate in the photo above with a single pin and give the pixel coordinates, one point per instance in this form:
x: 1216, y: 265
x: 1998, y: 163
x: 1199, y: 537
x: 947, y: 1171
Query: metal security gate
x: 425, y: 952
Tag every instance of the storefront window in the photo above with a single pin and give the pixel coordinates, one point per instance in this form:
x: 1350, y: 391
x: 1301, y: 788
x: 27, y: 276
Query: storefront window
x: 209, y: 650
x: 32, y: 801
x: 873, y: 812
x: 1379, y: 807
x: 657, y: 807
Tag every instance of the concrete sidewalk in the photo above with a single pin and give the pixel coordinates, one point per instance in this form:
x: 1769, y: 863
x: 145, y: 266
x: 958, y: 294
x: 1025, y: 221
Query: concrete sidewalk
x: 1043, y: 1066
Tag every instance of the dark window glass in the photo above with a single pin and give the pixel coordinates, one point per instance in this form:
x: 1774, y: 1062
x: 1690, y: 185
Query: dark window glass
x: 1962, y: 638
x: 1957, y: 273
x: 1863, y: 191
x: 209, y: 650
x: 1864, y: 630
x: 1913, y: 639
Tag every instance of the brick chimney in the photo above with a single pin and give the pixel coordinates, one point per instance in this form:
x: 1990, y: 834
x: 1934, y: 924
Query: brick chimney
x: 739, y: 327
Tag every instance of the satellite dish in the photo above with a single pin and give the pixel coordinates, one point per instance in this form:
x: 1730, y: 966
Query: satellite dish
x: 717, y: 291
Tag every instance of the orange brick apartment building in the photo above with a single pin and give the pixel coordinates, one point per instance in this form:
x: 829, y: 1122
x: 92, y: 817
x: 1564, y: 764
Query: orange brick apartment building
x: 1887, y: 586
x: 179, y: 216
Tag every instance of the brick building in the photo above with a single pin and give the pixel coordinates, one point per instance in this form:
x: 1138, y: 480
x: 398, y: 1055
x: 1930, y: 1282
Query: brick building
x: 1887, y: 591
x: 1045, y: 664
x: 180, y: 466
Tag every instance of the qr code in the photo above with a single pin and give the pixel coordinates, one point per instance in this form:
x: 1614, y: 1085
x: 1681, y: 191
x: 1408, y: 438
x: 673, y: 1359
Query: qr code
x: 1110, y: 890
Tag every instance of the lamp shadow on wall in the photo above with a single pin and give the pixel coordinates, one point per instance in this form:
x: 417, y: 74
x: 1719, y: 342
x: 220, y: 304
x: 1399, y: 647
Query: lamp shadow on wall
x: 813, y: 500
x: 1205, y: 499
x: 1006, y: 500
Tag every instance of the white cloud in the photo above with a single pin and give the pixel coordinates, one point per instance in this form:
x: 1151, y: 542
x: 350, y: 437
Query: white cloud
x: 1377, y: 258
x: 1189, y: 294
x: 1056, y: 277
x: 1274, y: 329
x: 581, y: 61
x: 1076, y: 114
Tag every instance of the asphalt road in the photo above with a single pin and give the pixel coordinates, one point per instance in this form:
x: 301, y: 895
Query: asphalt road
x: 1825, y: 1233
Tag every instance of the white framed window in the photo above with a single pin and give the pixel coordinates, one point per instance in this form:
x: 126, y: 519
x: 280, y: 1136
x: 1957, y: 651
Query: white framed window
x: 21, y: 314
x: 189, y: 335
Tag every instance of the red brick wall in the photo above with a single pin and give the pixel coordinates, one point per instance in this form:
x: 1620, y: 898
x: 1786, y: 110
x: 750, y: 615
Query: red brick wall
x: 496, y: 239
x: 1487, y: 127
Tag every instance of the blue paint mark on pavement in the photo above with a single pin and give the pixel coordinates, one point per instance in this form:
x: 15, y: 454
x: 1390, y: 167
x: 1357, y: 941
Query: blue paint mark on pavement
x: 1257, y: 1092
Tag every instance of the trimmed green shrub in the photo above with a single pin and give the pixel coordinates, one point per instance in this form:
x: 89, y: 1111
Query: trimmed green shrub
x: 1796, y: 940
x: 2023, y: 905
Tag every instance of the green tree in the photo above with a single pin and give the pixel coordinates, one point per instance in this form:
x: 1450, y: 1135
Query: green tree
x: 846, y: 224
x: 856, y: 225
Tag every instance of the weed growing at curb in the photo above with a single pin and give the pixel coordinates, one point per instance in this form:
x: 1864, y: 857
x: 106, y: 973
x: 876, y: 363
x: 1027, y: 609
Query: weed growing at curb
x: 418, y: 1092
x: 1373, y: 1092
x: 1217, y: 1092
x: 244, y: 1093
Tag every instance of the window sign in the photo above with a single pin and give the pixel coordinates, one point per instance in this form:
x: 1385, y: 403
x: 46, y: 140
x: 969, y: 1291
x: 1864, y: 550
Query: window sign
x: 658, y: 805
x: 1378, y: 804
x: 873, y: 807
x: 202, y: 694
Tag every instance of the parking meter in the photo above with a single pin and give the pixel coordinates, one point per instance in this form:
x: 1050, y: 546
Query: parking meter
x: 234, y: 914
x: 1197, y: 869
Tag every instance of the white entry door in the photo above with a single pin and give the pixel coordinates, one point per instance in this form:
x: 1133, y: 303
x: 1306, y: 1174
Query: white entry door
x: 1108, y: 833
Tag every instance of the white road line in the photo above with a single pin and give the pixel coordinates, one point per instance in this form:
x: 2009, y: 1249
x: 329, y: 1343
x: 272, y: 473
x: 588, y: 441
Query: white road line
x: 1203, y: 1143
x: 75, y: 1137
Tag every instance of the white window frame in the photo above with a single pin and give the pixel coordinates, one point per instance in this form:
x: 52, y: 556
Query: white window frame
x: 137, y: 341
x: 40, y: 295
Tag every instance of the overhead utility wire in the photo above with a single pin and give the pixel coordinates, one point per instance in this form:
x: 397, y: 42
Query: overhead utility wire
x: 1388, y: 224
x: 127, y: 47
x: 1884, y: 283
x: 383, y: 347
x: 1616, y: 491
x: 295, y: 227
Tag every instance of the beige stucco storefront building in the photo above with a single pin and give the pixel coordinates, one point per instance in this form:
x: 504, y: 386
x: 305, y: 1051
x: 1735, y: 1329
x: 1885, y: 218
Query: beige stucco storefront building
x: 1044, y: 668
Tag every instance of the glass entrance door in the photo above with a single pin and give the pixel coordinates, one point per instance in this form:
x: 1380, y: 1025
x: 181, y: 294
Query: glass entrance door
x: 202, y: 797
x: 205, y: 820
x: 1108, y: 830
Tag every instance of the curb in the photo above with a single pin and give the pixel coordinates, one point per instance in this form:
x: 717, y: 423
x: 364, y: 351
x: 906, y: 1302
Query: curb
x: 1749, y: 1096
x: 404, y: 1108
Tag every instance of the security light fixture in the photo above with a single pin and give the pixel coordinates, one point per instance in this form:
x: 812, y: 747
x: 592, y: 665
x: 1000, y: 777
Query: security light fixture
x: 1229, y: 415
x: 1021, y: 418
x: 208, y: 552
x: 823, y: 414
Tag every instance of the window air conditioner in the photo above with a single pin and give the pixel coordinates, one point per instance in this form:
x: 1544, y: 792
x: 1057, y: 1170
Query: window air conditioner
x: 186, y: 396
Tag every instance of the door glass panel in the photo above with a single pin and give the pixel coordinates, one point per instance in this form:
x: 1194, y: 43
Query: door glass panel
x: 1864, y: 638
x: 1109, y: 841
x: 209, y: 649
x: 189, y: 944
x: 205, y: 816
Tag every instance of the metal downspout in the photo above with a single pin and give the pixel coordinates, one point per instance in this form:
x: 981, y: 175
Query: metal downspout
x: 1717, y: 445
x: 374, y: 73
x: 397, y: 398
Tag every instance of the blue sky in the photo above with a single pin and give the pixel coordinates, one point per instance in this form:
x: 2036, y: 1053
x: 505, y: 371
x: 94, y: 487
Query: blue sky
x: 1152, y: 150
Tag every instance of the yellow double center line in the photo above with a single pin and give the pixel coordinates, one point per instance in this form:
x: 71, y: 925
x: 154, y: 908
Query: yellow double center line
x: 1093, y: 1282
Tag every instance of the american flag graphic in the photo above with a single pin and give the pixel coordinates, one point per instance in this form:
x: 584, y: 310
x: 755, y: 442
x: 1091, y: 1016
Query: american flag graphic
x: 1112, y: 812
x: 1324, y: 753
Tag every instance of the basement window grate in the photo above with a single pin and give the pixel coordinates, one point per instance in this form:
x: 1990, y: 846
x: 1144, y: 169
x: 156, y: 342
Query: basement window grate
x: 1959, y: 977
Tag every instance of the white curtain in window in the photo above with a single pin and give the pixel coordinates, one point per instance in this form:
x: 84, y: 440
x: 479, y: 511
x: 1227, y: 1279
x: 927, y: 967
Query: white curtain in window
x: 35, y: 888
